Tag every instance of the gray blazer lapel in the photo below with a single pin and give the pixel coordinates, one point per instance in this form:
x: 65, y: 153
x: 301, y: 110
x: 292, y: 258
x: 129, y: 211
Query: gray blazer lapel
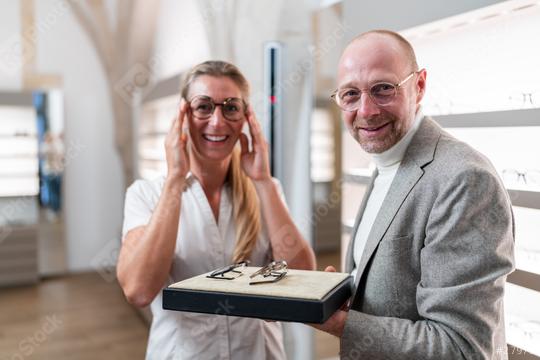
x: 404, y: 181
x: 349, y: 259
x: 419, y: 153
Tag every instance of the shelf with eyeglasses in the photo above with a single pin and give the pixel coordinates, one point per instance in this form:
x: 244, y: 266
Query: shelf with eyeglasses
x: 18, y: 149
x: 522, y: 318
x: 523, y: 187
x: 19, y: 189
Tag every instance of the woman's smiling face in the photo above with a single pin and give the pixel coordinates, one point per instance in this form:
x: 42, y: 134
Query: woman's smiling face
x: 214, y: 138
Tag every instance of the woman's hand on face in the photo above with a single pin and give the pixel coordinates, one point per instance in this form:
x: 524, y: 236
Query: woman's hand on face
x: 255, y: 162
x: 176, y: 145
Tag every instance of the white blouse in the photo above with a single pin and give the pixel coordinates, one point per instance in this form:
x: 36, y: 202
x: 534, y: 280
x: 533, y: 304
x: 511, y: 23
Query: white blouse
x: 202, y: 246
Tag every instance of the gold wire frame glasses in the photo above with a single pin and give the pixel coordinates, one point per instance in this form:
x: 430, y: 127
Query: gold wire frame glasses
x: 381, y: 93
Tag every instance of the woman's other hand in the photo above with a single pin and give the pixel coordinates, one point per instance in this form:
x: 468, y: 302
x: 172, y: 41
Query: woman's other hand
x: 255, y: 162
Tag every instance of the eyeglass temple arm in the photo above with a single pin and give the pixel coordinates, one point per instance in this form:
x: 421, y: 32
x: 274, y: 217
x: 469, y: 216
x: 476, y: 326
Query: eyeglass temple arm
x: 406, y: 79
x: 228, y: 268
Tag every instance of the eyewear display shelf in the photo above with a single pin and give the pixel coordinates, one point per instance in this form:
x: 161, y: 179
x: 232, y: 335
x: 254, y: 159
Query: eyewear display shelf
x: 521, y: 348
x: 19, y: 188
x: 301, y: 296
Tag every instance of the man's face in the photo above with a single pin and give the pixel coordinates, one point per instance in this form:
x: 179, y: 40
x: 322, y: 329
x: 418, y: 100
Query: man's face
x: 369, y: 60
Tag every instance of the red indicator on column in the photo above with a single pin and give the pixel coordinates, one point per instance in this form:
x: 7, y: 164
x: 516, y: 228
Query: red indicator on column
x: 272, y: 99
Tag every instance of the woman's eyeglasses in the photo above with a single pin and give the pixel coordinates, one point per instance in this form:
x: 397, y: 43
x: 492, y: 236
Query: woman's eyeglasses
x: 381, y: 93
x: 222, y: 272
x: 202, y: 107
x: 270, y: 273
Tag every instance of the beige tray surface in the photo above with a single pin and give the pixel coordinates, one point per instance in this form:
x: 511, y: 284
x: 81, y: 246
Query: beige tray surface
x: 300, y: 284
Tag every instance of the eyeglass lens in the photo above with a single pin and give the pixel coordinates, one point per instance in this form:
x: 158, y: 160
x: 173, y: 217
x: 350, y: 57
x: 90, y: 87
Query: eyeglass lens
x: 381, y: 94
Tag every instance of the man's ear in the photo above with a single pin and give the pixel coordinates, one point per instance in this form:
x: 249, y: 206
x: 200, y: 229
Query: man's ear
x: 420, y: 85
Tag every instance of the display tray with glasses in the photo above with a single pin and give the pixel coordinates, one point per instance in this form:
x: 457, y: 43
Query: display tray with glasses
x: 272, y: 292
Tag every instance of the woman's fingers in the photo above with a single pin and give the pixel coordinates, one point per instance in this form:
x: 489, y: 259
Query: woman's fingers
x: 244, y: 144
x: 182, y: 117
x: 176, y: 144
x: 175, y: 125
x: 254, y: 128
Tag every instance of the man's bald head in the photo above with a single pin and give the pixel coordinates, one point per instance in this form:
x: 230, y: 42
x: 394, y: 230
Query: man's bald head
x: 371, y: 59
x: 404, y: 45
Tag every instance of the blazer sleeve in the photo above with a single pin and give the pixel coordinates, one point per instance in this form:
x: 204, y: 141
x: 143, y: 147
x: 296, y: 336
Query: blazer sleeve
x: 466, y: 256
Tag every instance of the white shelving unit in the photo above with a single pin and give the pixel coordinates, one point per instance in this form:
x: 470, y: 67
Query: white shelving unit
x: 19, y: 187
x: 18, y: 151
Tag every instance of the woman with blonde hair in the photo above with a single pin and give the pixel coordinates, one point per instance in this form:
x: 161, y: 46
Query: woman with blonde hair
x: 217, y: 205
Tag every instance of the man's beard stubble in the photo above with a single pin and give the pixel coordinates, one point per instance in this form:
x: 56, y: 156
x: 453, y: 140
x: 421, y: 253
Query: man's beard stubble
x: 377, y: 146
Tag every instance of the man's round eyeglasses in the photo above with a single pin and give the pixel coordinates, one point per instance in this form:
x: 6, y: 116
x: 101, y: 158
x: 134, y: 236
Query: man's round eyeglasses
x: 202, y: 107
x: 381, y: 93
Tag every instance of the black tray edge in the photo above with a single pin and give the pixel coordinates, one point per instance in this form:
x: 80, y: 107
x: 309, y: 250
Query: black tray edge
x: 266, y: 307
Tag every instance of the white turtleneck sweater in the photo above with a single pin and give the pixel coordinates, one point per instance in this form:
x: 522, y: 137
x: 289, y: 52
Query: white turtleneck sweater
x: 387, y: 164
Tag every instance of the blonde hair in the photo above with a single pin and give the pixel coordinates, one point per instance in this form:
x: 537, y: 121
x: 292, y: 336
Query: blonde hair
x: 246, y: 210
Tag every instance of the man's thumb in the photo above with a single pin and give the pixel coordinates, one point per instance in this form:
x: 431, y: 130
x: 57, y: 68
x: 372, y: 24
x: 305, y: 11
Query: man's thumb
x: 330, y: 269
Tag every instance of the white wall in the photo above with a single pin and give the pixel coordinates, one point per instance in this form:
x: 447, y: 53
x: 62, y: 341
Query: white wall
x: 10, y: 56
x: 180, y: 40
x: 93, y: 183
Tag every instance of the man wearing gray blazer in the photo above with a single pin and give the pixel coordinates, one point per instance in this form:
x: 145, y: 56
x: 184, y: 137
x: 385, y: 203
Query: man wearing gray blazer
x: 433, y: 240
